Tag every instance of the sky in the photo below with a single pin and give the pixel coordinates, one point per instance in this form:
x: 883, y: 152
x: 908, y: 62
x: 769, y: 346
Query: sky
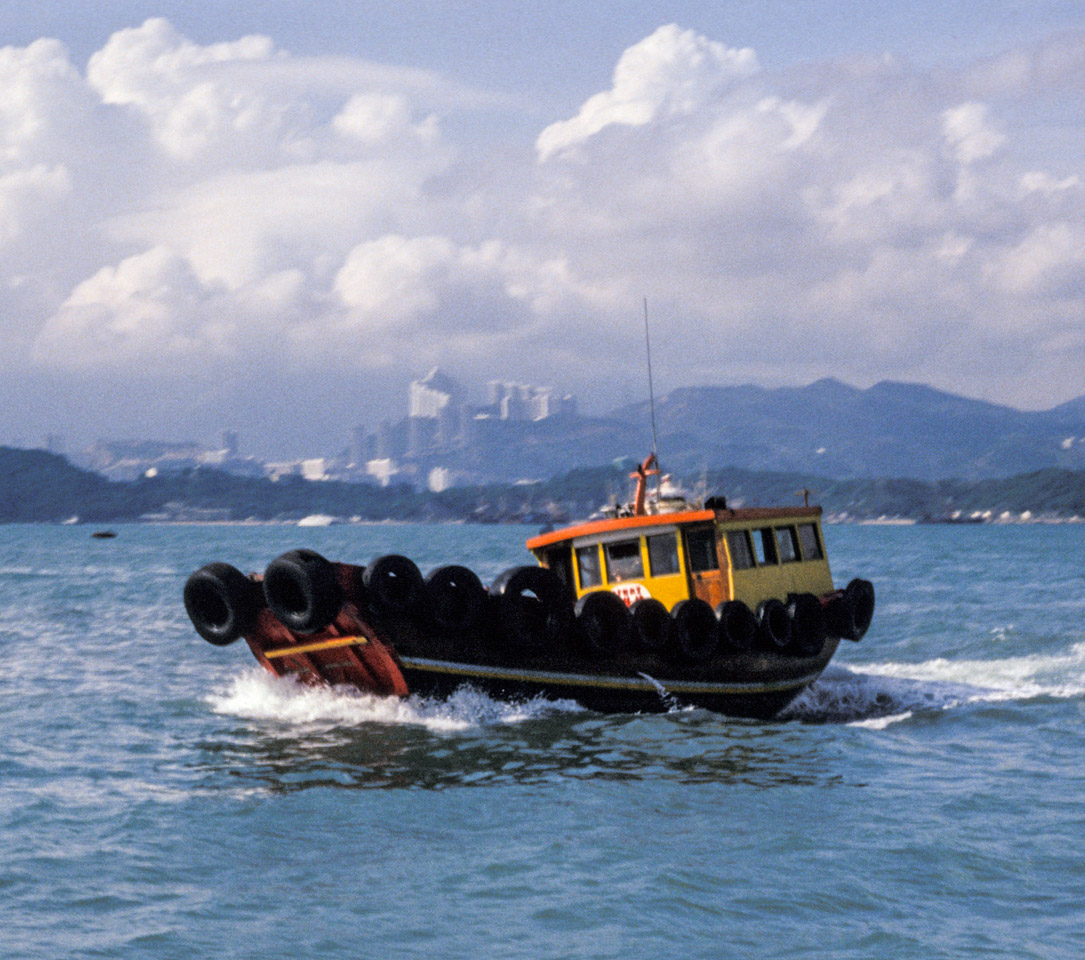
x: 271, y: 217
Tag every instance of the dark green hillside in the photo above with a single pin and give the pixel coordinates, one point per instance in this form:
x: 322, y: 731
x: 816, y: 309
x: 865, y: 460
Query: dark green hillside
x: 35, y: 485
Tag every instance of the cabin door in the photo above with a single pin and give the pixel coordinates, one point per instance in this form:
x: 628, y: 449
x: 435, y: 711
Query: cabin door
x: 706, y: 580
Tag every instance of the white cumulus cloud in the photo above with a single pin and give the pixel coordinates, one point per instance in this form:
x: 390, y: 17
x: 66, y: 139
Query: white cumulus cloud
x: 671, y: 72
x: 230, y: 210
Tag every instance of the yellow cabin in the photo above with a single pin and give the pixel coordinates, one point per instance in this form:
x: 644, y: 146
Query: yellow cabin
x: 715, y: 555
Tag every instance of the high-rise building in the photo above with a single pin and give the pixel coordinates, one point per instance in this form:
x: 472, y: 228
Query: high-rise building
x: 433, y: 393
x: 521, y: 401
x: 436, y: 412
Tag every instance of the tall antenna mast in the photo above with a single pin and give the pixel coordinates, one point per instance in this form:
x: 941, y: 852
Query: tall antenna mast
x: 651, y: 392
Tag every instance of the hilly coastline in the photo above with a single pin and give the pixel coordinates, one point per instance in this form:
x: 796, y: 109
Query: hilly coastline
x: 41, y: 487
x: 893, y: 450
x: 835, y: 430
x: 825, y: 429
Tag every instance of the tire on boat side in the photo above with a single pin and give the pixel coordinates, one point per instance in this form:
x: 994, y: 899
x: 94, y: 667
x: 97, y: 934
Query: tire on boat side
x: 394, y: 585
x: 531, y: 606
x: 838, y: 617
x: 302, y: 591
x: 737, y: 626
x: 652, y: 625
x: 221, y: 602
x: 859, y: 596
x: 696, y: 631
x: 604, y: 624
x: 774, y: 624
x: 808, y: 630
x: 454, y: 596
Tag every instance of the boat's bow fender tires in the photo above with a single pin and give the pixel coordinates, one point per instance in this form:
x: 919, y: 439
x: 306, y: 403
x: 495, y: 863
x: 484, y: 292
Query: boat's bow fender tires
x: 859, y: 597
x: 604, y: 623
x: 532, y: 605
x: 302, y: 591
x: 221, y: 602
x: 737, y: 626
x: 394, y: 585
x: 808, y: 626
x: 652, y: 625
x: 838, y: 619
x: 455, y: 596
x: 696, y: 631
x: 774, y: 624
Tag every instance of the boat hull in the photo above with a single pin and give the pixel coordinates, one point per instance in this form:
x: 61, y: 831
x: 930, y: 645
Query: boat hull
x: 607, y: 694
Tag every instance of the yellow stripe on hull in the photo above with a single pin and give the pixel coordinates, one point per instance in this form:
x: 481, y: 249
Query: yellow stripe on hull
x: 313, y: 647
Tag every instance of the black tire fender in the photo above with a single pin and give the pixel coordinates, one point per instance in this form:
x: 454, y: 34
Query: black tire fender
x: 738, y: 626
x: 838, y: 617
x: 652, y: 625
x: 774, y: 624
x: 859, y: 596
x: 696, y: 631
x: 394, y: 585
x: 302, y: 591
x: 221, y: 602
x: 532, y: 605
x: 454, y: 596
x: 604, y: 623
x: 808, y: 623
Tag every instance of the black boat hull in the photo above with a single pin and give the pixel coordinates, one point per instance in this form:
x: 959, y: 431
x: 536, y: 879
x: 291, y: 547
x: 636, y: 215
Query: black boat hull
x: 757, y: 688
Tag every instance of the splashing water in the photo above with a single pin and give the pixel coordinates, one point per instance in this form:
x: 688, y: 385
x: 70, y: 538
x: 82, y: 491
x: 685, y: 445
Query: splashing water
x: 873, y: 695
x: 257, y: 695
x: 878, y: 694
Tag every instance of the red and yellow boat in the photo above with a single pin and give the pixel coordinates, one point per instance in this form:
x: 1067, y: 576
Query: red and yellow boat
x: 655, y: 604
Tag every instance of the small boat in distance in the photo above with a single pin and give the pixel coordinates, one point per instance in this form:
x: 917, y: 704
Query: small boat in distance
x: 103, y: 534
x: 318, y: 520
x: 655, y: 603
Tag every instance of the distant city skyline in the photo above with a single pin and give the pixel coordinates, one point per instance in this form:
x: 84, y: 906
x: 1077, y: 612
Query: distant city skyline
x: 436, y: 421
x: 448, y: 410
x: 271, y: 217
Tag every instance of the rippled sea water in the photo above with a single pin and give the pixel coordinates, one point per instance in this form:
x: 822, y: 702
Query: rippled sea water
x: 161, y: 798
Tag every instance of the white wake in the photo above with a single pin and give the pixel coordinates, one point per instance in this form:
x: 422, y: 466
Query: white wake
x: 257, y: 695
x: 878, y: 694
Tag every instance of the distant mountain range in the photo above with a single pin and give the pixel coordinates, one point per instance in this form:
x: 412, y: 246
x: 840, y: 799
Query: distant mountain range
x: 832, y: 430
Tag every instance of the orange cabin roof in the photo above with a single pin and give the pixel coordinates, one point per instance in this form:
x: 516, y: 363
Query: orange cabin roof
x: 667, y: 519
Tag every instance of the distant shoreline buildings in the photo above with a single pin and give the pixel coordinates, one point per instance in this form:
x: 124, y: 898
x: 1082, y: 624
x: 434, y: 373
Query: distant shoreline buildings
x: 441, y: 442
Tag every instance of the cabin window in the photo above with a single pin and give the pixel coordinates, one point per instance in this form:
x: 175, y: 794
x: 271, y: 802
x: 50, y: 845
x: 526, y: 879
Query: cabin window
x: 587, y: 565
x: 663, y: 554
x: 765, y: 546
x: 701, y: 548
x: 624, y: 561
x: 738, y: 543
x: 811, y: 546
x: 787, y: 544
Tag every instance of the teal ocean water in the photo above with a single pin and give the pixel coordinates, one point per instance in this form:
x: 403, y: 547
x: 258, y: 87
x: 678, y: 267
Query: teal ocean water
x: 161, y: 798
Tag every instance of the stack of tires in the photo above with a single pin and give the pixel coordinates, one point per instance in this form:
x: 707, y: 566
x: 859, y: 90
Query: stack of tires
x: 526, y: 611
x: 694, y: 633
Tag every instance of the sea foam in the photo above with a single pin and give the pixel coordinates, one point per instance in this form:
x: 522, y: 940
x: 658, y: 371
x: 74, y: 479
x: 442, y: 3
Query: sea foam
x: 878, y: 694
x: 257, y: 695
x: 872, y: 695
